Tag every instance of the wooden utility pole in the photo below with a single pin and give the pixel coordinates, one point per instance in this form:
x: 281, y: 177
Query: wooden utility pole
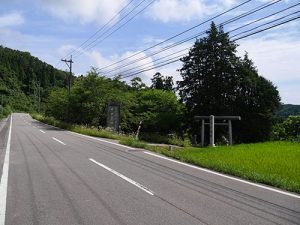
x: 2, y: 104
x: 39, y: 92
x: 69, y: 64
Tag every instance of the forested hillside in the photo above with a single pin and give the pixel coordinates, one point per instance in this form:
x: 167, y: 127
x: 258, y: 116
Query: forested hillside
x: 215, y: 81
x: 288, y: 110
x: 20, y: 76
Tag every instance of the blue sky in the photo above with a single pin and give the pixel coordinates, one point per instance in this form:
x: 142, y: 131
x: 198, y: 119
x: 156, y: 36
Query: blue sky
x: 50, y: 29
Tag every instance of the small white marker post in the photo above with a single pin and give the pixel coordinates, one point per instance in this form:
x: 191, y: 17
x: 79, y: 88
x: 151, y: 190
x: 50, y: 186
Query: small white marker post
x: 212, y: 131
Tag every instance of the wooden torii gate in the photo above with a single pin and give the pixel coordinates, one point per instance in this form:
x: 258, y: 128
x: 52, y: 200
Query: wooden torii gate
x: 212, y: 124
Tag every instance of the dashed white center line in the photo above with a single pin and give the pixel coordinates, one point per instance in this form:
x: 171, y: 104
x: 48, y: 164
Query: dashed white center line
x: 124, y: 177
x: 43, y: 131
x: 55, y: 139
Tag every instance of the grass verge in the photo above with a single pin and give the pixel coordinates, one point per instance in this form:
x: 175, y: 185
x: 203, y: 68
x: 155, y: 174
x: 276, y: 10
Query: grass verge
x: 78, y: 129
x: 131, y: 141
x: 272, y: 163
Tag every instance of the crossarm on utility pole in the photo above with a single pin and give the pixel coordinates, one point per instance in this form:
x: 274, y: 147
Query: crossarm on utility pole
x: 69, y: 64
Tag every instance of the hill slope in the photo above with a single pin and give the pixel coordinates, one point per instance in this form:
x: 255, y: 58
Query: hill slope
x: 289, y: 110
x: 20, y: 75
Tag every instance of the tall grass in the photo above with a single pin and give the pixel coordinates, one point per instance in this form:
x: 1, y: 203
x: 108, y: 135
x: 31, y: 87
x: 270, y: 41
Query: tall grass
x: 131, y: 141
x: 76, y: 128
x: 170, y: 139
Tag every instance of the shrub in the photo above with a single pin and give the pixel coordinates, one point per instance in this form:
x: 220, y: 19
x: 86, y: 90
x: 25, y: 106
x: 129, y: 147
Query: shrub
x: 170, y: 139
x: 289, y: 129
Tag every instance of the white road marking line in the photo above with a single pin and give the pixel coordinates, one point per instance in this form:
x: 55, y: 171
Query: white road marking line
x: 222, y: 175
x: 55, y: 139
x: 43, y: 131
x: 94, y: 138
x: 124, y: 177
x: 4, y: 178
x: 101, y: 140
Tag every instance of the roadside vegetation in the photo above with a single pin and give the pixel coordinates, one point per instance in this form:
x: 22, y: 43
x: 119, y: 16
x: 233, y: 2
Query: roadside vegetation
x: 164, y: 111
x: 274, y: 163
x: 127, y: 139
x: 215, y: 81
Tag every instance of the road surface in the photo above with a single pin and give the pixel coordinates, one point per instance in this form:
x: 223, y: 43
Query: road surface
x: 51, y: 176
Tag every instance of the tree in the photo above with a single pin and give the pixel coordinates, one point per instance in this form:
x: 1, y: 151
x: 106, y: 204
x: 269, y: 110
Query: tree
x: 157, y: 81
x: 20, y: 74
x: 289, y: 129
x: 217, y: 82
x: 159, y: 110
x: 168, y: 83
x: 162, y: 83
x: 137, y: 83
x: 57, y: 104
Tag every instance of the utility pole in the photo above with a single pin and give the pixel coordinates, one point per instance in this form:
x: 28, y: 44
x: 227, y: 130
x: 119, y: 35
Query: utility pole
x: 2, y: 104
x: 69, y: 64
x: 39, y: 91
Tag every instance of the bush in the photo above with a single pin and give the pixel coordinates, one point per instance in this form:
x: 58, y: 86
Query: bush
x: 52, y: 121
x: 5, y: 111
x: 289, y: 129
x: 162, y: 139
x: 76, y: 128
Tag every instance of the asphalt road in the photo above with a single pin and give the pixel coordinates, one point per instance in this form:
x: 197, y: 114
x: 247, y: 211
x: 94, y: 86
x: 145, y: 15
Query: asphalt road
x: 58, y: 177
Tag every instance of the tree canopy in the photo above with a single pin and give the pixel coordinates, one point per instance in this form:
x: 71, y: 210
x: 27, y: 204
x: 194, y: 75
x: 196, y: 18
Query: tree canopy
x: 21, y: 75
x: 159, y: 110
x: 215, y: 81
x: 162, y: 83
x: 218, y: 82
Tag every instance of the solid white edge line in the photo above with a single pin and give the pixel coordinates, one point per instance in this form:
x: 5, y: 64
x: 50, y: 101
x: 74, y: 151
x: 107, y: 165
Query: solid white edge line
x: 124, y: 177
x: 101, y: 140
x: 90, y: 137
x: 43, y: 131
x: 223, y: 175
x: 4, y: 178
x: 55, y: 139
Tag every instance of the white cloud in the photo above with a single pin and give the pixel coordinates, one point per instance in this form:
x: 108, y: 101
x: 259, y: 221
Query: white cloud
x: 177, y: 10
x: 86, y: 11
x: 277, y: 60
x: 11, y: 19
x: 186, y: 10
x: 276, y: 57
x: 43, y: 47
x: 128, y: 69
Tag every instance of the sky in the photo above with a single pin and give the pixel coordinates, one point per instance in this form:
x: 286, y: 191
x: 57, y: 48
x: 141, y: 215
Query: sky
x: 99, y: 33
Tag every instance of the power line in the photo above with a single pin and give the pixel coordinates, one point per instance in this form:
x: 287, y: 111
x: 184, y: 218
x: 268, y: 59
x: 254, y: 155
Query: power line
x: 170, y: 61
x: 174, y: 53
x: 268, y: 28
x: 102, y: 28
x: 96, y: 42
x: 177, y: 35
x: 256, y: 9
x: 283, y: 17
x: 243, y: 26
